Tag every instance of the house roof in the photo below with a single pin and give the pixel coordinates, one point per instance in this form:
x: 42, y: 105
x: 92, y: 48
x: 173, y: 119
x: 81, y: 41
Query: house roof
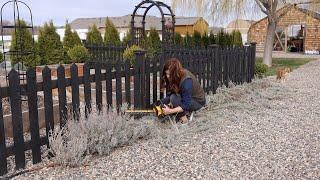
x: 183, y: 21
x: 240, y: 23
x: 313, y: 14
x: 124, y: 22
x: 215, y: 30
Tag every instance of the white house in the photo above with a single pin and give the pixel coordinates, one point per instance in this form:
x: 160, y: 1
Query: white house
x: 6, y: 43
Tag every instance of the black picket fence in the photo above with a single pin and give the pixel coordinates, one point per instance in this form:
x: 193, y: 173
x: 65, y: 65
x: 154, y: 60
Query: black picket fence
x: 103, y: 52
x: 214, y: 67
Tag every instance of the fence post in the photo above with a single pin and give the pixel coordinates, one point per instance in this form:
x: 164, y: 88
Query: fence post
x: 253, y: 59
x: 139, y: 80
x: 213, y: 67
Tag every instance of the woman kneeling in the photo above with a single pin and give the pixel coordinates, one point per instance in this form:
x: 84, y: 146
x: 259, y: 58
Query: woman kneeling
x: 184, y: 92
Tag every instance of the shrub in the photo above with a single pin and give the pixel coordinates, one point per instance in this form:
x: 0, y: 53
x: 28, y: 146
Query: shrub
x: 100, y: 134
x: 78, y: 54
x: 128, y: 54
x: 260, y: 69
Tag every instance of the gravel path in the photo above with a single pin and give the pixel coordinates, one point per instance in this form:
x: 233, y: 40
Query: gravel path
x: 262, y: 130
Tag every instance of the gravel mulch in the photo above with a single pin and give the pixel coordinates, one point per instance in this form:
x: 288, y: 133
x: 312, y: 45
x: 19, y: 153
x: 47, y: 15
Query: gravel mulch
x: 263, y: 130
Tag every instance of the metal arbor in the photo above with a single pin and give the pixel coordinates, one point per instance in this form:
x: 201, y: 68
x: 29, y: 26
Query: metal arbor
x: 20, y: 52
x: 167, y: 20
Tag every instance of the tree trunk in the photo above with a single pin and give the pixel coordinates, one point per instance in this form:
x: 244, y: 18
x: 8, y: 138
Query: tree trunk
x: 267, y: 55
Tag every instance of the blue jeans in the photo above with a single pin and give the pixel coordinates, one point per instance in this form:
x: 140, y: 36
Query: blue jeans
x: 175, y: 101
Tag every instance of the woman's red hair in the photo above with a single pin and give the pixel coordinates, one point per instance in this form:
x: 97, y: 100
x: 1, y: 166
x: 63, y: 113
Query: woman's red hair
x: 176, y: 74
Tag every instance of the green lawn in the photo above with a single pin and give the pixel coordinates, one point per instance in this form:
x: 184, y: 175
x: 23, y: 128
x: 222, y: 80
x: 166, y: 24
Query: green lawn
x: 292, y: 63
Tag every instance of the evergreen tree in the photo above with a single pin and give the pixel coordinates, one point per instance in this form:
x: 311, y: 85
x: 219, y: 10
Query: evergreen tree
x: 196, y: 38
x: 76, y: 38
x: 94, y: 36
x: 205, y: 39
x: 111, y: 35
x: 70, y: 38
x: 50, y: 48
x: 212, y: 38
x: 127, y: 38
x: 153, y: 43
x: 228, y: 39
x: 236, y: 38
x: 221, y: 38
x: 22, y: 43
x: 188, y: 40
x: 178, y: 40
x: 1, y: 56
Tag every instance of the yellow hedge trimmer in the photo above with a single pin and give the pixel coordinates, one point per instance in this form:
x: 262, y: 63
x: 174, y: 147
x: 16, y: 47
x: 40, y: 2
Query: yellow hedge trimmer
x: 157, y: 110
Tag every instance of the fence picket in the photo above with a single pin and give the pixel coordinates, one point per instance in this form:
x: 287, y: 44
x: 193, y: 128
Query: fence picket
x: 75, y: 91
x: 162, y: 61
x: 155, y: 80
x: 33, y: 115
x: 97, y: 76
x: 48, y: 102
x: 128, y: 82
x: 87, y: 89
x: 118, y: 85
x: 147, y: 84
x: 62, y: 96
x: 15, y: 101
x: 137, y: 87
x: 208, y: 65
x: 109, y: 84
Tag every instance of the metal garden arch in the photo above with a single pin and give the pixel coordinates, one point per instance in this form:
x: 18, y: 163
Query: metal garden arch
x: 167, y: 20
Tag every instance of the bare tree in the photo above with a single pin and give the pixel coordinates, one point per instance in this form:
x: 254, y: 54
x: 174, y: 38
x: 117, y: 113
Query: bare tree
x: 223, y: 8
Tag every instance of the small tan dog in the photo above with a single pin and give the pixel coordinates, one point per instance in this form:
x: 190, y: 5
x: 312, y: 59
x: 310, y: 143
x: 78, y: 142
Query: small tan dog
x: 282, y: 73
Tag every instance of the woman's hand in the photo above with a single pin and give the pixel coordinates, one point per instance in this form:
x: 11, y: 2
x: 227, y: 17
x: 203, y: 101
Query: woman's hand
x: 167, y: 110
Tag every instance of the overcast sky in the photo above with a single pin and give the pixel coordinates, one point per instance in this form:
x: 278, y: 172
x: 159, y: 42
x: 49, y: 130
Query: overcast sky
x: 61, y: 10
